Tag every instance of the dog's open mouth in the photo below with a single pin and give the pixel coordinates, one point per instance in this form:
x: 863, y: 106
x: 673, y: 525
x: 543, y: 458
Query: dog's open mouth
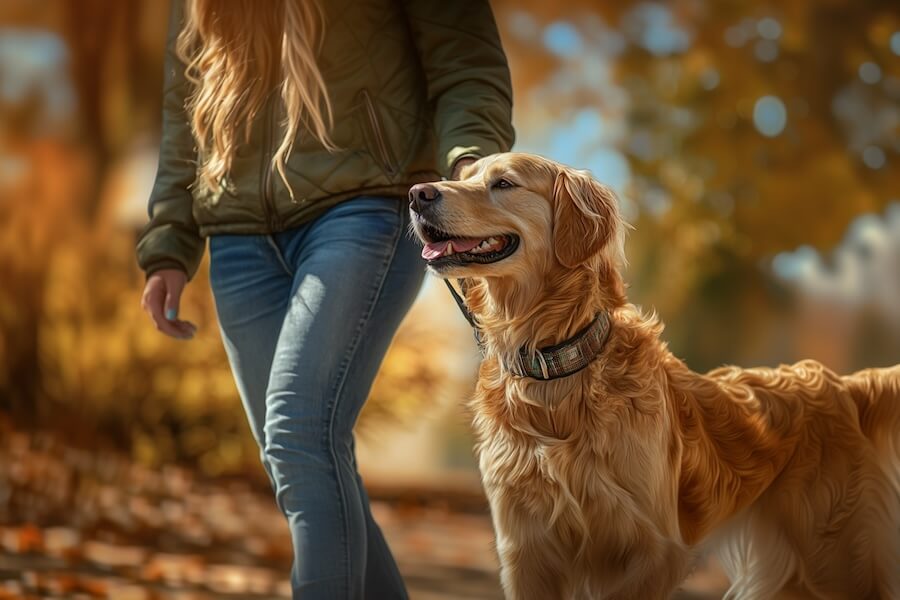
x: 444, y: 249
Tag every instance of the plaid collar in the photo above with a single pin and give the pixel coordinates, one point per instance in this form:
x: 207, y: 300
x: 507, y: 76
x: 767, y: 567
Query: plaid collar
x: 567, y: 357
x: 553, y: 362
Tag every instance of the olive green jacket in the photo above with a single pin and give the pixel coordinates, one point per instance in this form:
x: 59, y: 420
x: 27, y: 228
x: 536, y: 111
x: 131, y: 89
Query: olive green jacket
x: 415, y: 85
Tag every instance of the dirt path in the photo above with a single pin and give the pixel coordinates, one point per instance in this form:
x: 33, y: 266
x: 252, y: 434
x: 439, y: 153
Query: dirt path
x: 75, y: 524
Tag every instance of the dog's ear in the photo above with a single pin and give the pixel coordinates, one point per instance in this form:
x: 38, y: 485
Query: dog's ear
x: 585, y: 216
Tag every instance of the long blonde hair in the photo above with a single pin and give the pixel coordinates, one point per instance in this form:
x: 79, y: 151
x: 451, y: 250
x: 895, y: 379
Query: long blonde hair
x: 237, y: 52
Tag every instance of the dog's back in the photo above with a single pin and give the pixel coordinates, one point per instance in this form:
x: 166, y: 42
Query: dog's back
x: 830, y: 521
x: 876, y: 393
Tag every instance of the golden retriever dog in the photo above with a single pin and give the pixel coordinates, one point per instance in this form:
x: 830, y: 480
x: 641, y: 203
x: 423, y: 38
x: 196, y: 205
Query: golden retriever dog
x: 608, y: 482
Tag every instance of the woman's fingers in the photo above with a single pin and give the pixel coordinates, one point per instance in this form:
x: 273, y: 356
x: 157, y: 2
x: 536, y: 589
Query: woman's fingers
x: 154, y: 301
x: 162, y: 295
x: 175, y: 285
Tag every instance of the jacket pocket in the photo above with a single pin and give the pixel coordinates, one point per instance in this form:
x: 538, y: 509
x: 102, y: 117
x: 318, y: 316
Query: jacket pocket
x: 378, y: 141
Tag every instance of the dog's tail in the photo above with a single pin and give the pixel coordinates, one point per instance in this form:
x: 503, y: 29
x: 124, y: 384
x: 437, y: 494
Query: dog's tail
x: 877, y: 396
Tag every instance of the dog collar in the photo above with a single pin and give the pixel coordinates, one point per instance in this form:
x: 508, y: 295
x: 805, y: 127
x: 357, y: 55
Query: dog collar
x: 567, y: 357
x: 553, y: 362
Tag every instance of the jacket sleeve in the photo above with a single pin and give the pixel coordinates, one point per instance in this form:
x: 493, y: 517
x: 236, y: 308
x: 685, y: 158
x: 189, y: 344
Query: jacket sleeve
x: 171, y: 238
x: 468, y: 78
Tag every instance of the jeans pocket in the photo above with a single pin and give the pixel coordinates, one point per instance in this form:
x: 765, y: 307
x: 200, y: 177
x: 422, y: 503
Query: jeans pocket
x: 221, y: 253
x: 230, y: 256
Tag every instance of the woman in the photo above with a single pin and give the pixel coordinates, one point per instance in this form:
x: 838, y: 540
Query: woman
x: 291, y: 135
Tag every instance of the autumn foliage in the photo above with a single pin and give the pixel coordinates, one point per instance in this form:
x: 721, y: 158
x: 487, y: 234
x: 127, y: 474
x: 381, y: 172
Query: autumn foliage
x: 669, y: 99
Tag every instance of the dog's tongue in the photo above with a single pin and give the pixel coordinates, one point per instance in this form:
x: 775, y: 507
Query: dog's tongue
x: 435, y: 249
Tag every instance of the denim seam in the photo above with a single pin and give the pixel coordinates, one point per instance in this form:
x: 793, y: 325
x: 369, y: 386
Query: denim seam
x: 279, y: 255
x: 341, y: 380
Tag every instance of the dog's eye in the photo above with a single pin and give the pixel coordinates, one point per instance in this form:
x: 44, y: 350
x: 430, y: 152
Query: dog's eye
x: 502, y: 184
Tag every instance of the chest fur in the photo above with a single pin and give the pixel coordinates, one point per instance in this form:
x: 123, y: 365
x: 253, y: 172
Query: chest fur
x: 577, y: 469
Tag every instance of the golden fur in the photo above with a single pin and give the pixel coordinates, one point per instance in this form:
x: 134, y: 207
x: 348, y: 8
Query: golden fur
x: 607, y: 483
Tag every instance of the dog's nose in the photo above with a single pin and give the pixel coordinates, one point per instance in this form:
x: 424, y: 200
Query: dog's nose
x: 421, y: 195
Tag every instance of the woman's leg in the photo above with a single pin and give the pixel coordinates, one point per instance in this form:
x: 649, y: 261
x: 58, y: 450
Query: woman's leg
x: 252, y: 289
x: 355, y: 274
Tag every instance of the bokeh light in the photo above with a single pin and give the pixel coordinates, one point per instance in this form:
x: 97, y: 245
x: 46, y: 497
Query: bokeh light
x: 562, y: 39
x: 766, y: 50
x: 870, y: 73
x: 769, y: 28
x: 874, y: 157
x: 769, y: 116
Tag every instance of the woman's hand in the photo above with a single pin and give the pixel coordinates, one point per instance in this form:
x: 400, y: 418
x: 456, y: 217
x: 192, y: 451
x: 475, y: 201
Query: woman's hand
x: 460, y: 164
x: 160, y: 300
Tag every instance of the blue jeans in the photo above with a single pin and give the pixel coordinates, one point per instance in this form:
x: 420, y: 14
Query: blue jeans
x: 306, y: 317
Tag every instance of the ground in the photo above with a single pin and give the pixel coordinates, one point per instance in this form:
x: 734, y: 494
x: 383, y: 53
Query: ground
x: 80, y: 524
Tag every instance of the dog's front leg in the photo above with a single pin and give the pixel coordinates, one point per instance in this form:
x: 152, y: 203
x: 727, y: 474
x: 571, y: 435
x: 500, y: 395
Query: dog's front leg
x: 655, y: 573
x: 529, y: 572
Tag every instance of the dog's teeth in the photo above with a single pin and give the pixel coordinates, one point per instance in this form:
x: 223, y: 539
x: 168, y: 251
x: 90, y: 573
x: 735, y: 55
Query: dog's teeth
x: 449, y: 250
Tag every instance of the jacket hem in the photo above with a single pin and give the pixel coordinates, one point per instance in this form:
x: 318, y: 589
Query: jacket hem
x: 305, y: 213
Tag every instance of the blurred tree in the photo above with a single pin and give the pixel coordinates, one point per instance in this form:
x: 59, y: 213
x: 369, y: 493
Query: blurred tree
x: 65, y: 158
x: 741, y: 129
x: 117, y: 79
x: 749, y: 128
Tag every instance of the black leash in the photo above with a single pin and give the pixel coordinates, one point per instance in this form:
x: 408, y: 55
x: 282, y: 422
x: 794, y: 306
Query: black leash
x: 465, y: 310
x: 560, y: 360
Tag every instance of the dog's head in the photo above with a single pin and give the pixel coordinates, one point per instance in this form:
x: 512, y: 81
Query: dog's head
x: 516, y: 215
